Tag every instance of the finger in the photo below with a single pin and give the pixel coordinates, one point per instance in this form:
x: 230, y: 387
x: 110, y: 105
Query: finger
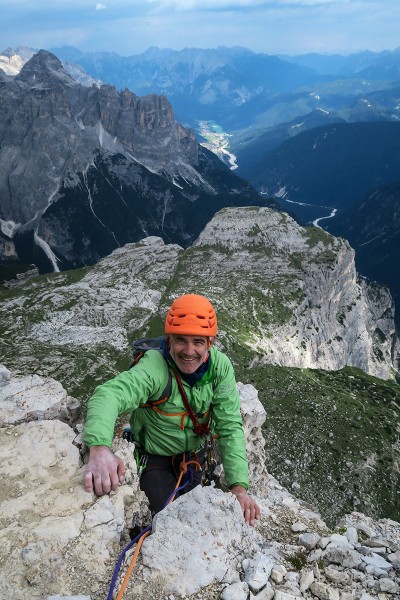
x: 102, y: 484
x: 89, y: 481
x: 121, y: 468
x: 247, y: 514
x: 114, y: 479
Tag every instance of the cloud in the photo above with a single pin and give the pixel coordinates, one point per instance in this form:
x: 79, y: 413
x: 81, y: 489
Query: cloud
x: 100, y: 6
x: 239, y: 5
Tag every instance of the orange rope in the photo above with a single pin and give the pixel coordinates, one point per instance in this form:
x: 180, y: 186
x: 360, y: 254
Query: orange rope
x: 183, y: 469
x: 131, y: 566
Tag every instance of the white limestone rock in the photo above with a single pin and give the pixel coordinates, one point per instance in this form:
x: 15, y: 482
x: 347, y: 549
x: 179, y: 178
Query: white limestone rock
x: 323, y: 591
x: 306, y: 580
x: 236, y: 591
x: 343, y: 556
x: 388, y: 585
x: 205, y: 514
x: 5, y: 376
x: 351, y: 535
x: 281, y: 595
x: 341, y: 541
x: 298, y: 527
x: 266, y: 593
x: 67, y: 536
x: 253, y: 416
x: 33, y: 398
x: 336, y: 576
x: 257, y: 571
x: 394, y: 558
x: 309, y: 540
x: 377, y: 561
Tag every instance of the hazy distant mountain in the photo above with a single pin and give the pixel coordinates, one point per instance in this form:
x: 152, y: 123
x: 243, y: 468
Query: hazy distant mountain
x: 242, y: 90
x: 248, y: 147
x: 200, y: 84
x: 13, y: 59
x: 372, y: 65
x: 333, y: 166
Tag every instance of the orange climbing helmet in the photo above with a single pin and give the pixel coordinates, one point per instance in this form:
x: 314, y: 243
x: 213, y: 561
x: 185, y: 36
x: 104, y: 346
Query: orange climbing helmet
x: 191, y: 314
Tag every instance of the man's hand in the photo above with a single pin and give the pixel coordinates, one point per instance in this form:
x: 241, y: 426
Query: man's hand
x: 251, y: 510
x: 104, y: 471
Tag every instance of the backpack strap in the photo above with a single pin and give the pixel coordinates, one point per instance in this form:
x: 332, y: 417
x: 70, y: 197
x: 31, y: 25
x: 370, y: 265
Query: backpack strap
x: 165, y: 394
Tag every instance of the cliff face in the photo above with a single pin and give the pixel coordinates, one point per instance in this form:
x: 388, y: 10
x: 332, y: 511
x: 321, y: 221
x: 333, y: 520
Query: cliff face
x: 87, y: 169
x: 294, y: 295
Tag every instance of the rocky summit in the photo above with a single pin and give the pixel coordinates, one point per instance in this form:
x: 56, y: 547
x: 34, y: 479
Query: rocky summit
x: 87, y: 169
x: 288, y: 295
x: 60, y: 542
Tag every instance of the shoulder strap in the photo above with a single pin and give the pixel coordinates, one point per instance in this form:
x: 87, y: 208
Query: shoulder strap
x: 165, y: 394
x: 198, y: 428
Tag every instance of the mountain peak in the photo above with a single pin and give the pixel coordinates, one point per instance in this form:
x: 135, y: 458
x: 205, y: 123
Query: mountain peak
x: 44, y: 67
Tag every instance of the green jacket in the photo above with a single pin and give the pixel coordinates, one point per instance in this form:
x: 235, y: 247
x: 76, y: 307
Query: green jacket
x: 159, y: 434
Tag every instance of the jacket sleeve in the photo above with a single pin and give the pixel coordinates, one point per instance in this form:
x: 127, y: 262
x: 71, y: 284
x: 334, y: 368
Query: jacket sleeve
x: 124, y: 393
x: 228, y: 425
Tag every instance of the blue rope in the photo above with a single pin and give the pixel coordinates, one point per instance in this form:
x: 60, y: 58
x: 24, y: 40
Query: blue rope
x: 182, y: 487
x: 121, y: 558
x: 137, y: 538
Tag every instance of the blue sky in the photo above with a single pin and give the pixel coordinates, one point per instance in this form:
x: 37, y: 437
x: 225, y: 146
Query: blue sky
x: 274, y: 27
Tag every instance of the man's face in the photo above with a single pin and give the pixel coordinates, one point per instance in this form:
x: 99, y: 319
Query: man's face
x: 189, y: 351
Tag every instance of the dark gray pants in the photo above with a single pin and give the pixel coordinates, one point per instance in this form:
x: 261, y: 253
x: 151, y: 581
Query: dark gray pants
x: 159, y: 478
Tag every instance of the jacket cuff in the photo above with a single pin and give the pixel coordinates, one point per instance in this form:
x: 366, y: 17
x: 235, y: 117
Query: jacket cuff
x: 246, y: 487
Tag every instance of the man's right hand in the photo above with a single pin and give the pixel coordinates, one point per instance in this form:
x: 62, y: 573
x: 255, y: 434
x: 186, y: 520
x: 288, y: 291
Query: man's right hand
x: 104, y: 471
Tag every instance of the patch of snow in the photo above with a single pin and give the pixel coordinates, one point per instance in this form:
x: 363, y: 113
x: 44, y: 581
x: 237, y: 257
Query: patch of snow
x: 47, y: 250
x: 281, y: 193
x: 176, y: 184
x: 9, y: 228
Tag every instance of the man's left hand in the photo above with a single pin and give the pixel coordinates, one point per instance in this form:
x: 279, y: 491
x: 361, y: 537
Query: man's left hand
x: 251, y: 510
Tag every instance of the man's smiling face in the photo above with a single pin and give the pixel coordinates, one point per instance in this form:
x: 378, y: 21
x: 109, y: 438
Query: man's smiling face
x: 189, y: 351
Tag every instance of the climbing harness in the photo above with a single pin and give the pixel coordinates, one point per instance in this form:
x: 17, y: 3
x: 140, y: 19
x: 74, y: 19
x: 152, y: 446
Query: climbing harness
x: 210, y: 462
x: 186, y: 468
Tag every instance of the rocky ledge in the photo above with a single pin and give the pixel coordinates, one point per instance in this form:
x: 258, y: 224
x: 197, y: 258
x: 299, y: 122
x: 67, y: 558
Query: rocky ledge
x: 58, y: 541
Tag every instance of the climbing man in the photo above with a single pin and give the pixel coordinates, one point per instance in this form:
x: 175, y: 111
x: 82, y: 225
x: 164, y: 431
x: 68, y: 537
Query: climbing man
x: 175, y: 397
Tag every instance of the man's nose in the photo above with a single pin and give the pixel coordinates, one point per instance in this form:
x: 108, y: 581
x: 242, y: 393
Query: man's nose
x: 189, y: 347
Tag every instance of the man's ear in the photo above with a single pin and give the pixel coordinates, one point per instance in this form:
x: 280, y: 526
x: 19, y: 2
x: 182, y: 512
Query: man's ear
x: 168, y: 338
x: 210, y: 342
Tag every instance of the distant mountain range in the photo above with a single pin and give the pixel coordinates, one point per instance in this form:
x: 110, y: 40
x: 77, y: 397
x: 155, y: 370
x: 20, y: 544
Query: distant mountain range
x: 319, y: 132
x: 87, y: 169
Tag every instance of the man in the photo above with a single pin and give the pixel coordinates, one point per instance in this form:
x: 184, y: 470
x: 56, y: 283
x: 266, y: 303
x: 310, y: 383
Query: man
x: 203, y: 393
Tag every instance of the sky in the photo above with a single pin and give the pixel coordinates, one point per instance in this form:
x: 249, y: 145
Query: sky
x: 129, y: 27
